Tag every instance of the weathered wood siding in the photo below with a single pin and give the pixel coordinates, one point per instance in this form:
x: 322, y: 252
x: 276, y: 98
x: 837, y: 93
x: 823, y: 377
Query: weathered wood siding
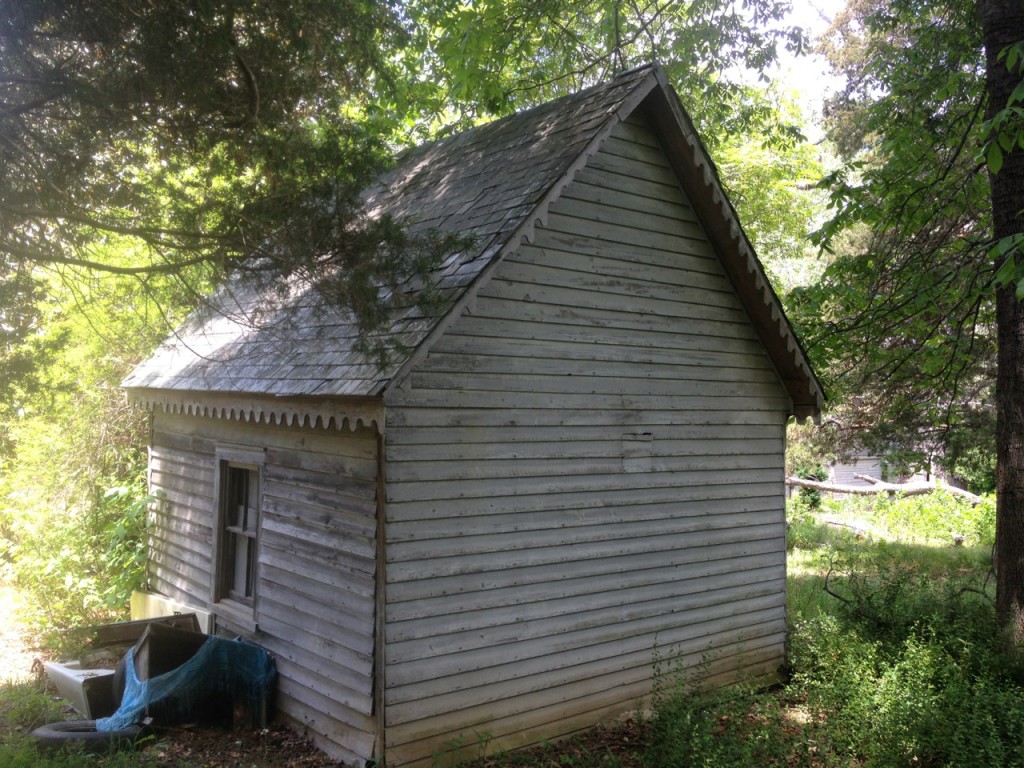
x: 584, y: 474
x: 317, y: 559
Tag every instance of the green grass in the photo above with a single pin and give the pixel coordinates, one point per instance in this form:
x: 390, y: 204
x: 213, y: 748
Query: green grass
x: 26, y: 705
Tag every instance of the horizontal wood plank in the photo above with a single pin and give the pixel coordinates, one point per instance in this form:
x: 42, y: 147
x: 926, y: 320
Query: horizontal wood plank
x: 530, y: 599
x: 317, y: 572
x: 588, y: 465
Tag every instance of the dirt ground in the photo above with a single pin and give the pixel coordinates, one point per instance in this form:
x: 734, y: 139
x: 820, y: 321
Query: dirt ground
x: 212, y: 748
x: 612, y: 745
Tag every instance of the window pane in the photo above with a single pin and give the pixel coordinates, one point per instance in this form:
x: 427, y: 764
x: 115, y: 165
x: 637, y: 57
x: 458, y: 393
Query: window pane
x: 237, y: 496
x: 241, y: 582
x: 240, y: 517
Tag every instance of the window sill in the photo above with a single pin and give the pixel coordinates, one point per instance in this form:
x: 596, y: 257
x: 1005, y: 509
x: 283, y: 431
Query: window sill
x: 238, y: 615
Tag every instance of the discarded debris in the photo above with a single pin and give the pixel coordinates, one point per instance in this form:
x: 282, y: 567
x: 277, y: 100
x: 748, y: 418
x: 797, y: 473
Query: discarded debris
x: 170, y: 674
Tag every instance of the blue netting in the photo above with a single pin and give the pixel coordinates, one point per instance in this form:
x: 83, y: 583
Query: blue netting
x: 223, y: 673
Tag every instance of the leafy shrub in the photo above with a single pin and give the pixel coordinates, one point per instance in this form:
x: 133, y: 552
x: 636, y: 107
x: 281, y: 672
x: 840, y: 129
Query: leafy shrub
x: 921, y: 701
x: 970, y: 454
x: 81, y: 567
x: 73, y: 548
x: 910, y: 671
x: 805, y: 529
x: 801, y: 526
x: 937, y: 517
x: 835, y: 674
x: 811, y: 470
x: 721, y: 728
x: 888, y: 590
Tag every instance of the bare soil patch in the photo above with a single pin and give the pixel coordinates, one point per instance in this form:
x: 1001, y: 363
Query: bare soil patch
x: 273, y: 747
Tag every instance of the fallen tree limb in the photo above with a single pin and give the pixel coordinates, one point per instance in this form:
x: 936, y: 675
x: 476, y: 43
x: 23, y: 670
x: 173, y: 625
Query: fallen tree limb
x: 907, y: 489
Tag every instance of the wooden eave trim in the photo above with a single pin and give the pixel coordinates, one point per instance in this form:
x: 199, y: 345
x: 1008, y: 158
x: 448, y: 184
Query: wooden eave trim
x: 699, y: 179
x: 322, y: 413
x: 526, y: 231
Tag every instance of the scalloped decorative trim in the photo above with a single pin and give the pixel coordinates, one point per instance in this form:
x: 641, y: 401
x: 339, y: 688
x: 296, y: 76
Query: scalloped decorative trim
x: 321, y: 413
x: 762, y: 285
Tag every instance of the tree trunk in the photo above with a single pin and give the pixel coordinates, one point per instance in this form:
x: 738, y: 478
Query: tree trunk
x: 1003, y: 24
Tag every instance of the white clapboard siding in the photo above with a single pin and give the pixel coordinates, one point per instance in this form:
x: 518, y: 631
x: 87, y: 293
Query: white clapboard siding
x: 578, y: 705
x: 635, y: 520
x: 317, y: 571
x: 481, y: 420
x: 585, y: 473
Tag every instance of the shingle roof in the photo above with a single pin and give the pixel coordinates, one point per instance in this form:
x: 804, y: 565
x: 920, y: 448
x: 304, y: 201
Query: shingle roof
x: 492, y: 183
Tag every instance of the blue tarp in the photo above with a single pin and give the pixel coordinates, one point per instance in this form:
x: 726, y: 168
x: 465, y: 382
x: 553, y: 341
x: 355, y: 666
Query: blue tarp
x: 232, y: 671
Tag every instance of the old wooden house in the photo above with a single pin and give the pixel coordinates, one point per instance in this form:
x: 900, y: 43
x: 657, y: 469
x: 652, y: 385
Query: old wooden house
x: 575, y: 467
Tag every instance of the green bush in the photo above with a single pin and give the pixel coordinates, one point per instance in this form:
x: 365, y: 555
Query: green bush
x: 910, y: 671
x: 938, y: 517
x: 802, y: 529
x: 888, y: 590
x: 71, y: 546
x: 718, y: 729
x: 923, y: 701
x: 811, y: 470
x: 80, y: 568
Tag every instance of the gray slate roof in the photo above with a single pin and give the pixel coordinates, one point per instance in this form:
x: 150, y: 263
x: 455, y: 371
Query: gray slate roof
x: 492, y: 183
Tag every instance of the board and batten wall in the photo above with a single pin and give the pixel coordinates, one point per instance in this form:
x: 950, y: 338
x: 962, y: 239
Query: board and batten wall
x: 583, y: 475
x: 317, y: 559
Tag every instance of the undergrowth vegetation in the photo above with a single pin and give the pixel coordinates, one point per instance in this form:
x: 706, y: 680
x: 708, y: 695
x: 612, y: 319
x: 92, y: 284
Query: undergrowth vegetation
x: 896, y: 658
x: 24, y: 706
x: 73, y: 492
x: 79, y: 567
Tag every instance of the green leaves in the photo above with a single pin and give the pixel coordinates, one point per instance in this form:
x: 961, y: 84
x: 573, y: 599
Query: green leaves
x: 195, y: 135
x: 902, y: 322
x: 490, y: 58
x: 1010, y: 267
x: 1004, y: 131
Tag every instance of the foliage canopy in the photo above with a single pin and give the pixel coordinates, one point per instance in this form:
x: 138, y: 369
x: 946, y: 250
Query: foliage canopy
x: 903, y: 320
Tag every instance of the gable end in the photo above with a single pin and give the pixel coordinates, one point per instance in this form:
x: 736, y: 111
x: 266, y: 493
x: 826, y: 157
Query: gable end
x: 699, y: 180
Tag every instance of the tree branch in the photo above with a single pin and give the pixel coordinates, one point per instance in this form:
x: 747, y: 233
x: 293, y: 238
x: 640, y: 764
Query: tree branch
x: 907, y: 489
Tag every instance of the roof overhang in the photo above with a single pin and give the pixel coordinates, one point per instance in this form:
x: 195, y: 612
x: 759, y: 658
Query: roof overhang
x: 700, y: 181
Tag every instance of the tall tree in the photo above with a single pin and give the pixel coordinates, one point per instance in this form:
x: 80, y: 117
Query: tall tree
x: 1003, y: 29
x: 912, y: 316
x: 494, y: 56
x: 902, y: 318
